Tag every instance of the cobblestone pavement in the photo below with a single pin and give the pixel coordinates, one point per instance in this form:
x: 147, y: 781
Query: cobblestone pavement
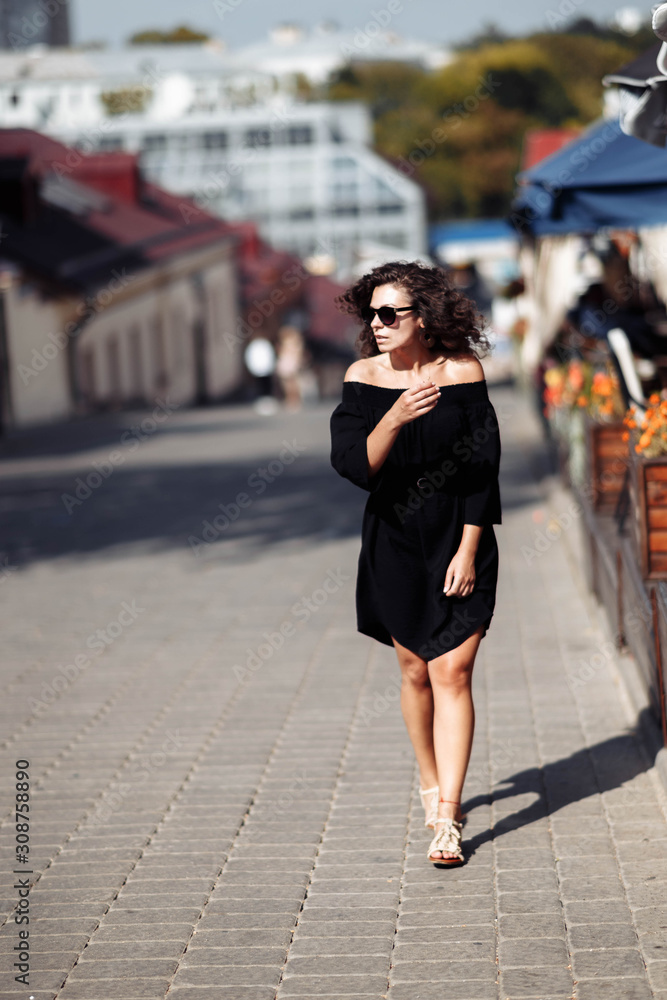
x: 223, y: 796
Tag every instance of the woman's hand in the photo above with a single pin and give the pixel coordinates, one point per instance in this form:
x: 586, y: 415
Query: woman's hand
x: 460, y: 576
x: 415, y: 403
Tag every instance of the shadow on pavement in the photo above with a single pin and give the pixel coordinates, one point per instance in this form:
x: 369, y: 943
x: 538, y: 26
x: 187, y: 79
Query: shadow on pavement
x: 599, y: 768
x: 155, y: 502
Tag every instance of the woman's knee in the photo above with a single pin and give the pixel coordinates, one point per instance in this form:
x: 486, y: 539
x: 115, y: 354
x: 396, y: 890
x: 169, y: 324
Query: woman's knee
x: 454, y: 675
x: 415, y: 671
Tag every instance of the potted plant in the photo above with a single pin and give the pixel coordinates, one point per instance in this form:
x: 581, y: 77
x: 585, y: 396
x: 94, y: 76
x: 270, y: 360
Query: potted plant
x: 607, y: 448
x: 566, y: 391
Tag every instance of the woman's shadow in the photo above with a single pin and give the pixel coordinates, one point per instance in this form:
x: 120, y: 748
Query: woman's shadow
x: 589, y: 771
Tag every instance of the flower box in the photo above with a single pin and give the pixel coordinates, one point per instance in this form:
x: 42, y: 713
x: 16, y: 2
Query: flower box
x: 648, y: 514
x: 607, y: 463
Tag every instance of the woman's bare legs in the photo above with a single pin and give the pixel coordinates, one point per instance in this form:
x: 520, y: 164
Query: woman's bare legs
x: 436, y: 700
x: 417, y: 708
x: 453, y: 723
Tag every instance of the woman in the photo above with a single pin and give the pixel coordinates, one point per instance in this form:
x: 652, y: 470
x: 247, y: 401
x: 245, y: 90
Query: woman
x: 416, y: 430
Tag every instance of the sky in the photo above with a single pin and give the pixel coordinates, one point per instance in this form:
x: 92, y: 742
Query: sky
x: 240, y: 22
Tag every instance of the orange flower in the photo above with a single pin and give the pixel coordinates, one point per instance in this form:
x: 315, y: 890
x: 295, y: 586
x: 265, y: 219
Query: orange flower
x: 575, y: 376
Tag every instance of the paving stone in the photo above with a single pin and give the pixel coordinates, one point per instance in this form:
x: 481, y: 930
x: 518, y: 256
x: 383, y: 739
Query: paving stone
x: 532, y: 952
x: 607, y: 962
x: 619, y: 989
x: 356, y: 924
x: 521, y: 925
x: 528, y: 902
x: 223, y: 992
x: 533, y: 880
x: 255, y: 955
x: 443, y: 971
x: 603, y: 935
x: 336, y: 965
x: 445, y: 918
x: 604, y: 911
x: 239, y: 939
x: 338, y: 986
x: 127, y: 988
x: 366, y: 945
x: 451, y: 936
x: 474, y: 990
x: 232, y: 975
x: 151, y: 968
x: 591, y: 888
x: 657, y: 974
x: 536, y: 982
x: 653, y: 946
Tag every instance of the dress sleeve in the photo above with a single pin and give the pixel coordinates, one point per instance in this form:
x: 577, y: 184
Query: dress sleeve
x: 349, y: 453
x: 481, y: 465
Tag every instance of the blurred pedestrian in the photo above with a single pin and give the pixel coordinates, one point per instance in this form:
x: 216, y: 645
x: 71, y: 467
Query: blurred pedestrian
x: 260, y: 360
x: 416, y: 429
x: 290, y: 365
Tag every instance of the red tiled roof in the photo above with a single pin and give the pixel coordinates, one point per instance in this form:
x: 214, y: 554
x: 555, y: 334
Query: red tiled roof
x: 539, y: 143
x: 131, y: 215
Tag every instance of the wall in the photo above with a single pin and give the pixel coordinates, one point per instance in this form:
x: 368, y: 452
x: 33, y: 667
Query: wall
x: 37, y: 356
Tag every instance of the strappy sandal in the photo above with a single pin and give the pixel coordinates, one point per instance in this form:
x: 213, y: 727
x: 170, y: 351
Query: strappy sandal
x: 431, y: 813
x: 448, y: 840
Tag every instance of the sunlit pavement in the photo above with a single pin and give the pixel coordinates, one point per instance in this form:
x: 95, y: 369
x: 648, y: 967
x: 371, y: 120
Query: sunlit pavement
x: 223, y: 799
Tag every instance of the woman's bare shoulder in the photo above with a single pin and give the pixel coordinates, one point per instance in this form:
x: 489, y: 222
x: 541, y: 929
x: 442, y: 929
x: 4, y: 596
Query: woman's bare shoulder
x: 362, y: 370
x: 465, y: 368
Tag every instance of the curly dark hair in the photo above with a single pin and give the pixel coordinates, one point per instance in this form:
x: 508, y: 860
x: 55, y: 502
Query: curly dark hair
x: 449, y: 316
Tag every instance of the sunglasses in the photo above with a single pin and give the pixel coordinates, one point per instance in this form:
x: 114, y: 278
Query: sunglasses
x: 386, y: 314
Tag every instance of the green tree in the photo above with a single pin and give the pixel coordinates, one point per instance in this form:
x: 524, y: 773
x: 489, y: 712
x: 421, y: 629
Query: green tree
x: 176, y: 36
x: 384, y: 87
x: 127, y: 100
x: 459, y: 131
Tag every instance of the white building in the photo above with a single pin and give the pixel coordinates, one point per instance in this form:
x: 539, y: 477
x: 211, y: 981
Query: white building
x: 290, y: 50
x: 215, y: 130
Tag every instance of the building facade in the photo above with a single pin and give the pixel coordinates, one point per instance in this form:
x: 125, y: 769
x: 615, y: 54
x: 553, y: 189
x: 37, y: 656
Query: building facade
x: 228, y: 138
x: 109, y: 297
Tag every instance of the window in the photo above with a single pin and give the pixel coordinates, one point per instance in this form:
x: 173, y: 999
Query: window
x: 113, y: 364
x: 110, y: 143
x: 215, y: 140
x: 159, y: 352
x: 345, y: 210
x: 300, y: 135
x: 87, y: 375
x: 298, y: 214
x: 255, y: 137
x: 136, y: 364
x: 343, y: 163
x: 390, y: 208
x: 155, y: 140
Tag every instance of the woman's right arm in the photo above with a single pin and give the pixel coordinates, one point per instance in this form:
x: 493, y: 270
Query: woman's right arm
x: 410, y: 404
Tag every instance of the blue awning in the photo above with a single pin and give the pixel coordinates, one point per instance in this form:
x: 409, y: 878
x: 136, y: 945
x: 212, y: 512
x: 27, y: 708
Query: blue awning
x: 603, y: 179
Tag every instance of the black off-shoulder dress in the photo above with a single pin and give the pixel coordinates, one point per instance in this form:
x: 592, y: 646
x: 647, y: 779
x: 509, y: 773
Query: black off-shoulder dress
x: 441, y: 473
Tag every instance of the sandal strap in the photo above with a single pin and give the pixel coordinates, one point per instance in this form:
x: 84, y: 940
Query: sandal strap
x: 429, y: 791
x: 448, y: 840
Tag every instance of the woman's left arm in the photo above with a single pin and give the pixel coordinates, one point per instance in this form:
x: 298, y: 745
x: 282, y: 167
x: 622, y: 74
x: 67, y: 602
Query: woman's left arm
x: 481, y: 497
x: 460, y: 576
